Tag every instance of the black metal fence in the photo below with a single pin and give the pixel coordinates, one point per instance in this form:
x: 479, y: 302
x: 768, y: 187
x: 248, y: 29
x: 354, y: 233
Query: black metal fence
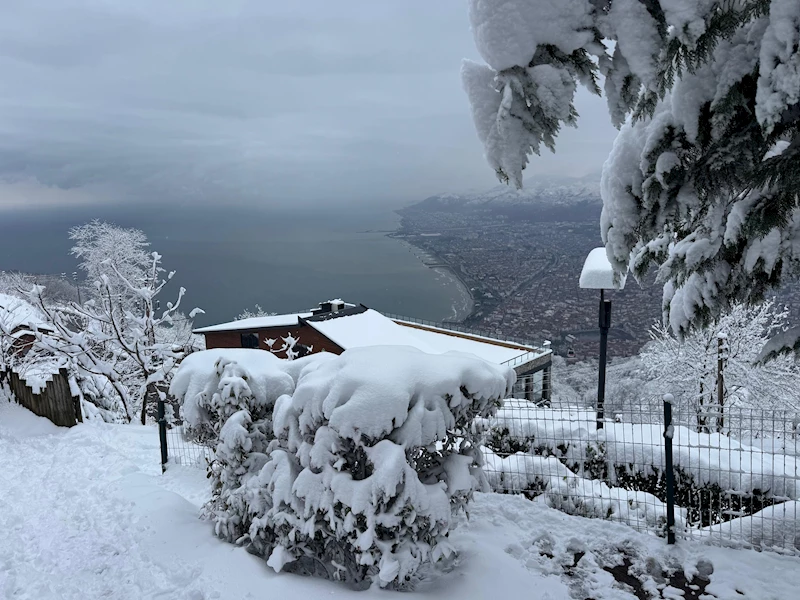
x: 728, y: 475
x: 179, y: 444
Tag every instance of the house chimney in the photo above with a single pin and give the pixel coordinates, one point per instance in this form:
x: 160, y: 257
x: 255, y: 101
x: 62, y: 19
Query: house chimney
x: 329, y: 306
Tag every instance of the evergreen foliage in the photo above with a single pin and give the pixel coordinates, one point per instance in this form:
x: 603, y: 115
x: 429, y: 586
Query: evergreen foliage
x: 704, y: 178
x: 347, y: 467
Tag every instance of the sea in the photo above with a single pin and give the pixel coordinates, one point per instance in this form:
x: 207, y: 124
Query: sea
x: 232, y: 258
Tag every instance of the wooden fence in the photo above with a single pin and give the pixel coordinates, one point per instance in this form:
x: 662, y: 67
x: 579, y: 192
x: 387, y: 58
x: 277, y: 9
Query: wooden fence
x: 55, y: 401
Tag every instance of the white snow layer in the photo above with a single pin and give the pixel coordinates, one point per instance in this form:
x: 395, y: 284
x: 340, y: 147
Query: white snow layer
x: 15, y: 312
x: 371, y: 328
x: 507, y: 32
x: 776, y: 527
x: 86, y: 514
x: 570, y: 493
x: 253, y: 323
x: 197, y: 378
x: 597, y: 272
x: 373, y: 392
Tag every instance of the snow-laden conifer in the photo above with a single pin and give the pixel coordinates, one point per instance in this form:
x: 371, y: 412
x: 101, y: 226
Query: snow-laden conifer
x: 704, y: 177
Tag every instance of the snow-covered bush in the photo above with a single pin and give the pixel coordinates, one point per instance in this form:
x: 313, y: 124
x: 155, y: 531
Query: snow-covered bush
x: 228, y: 397
x: 547, y: 479
x: 776, y: 527
x: 716, y: 477
x: 373, y: 452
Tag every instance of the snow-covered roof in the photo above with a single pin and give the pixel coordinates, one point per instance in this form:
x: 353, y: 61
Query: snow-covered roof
x: 597, y: 272
x: 371, y: 328
x: 256, y: 323
x: 16, y: 312
x: 446, y: 342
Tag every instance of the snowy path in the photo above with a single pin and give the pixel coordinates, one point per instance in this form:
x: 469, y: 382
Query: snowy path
x: 85, y: 513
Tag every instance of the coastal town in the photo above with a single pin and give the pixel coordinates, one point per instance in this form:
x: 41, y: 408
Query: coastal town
x: 521, y: 266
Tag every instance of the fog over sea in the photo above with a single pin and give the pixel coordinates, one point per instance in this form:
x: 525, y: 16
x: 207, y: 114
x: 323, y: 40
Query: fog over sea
x: 229, y: 258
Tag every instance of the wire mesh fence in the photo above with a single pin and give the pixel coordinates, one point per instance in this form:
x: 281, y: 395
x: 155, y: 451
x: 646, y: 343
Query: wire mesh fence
x: 727, y: 475
x: 180, y: 445
x: 185, y: 449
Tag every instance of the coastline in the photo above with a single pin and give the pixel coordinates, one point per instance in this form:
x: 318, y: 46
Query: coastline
x: 463, y: 306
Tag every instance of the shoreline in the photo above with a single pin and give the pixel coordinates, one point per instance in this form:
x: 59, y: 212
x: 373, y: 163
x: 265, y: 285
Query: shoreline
x: 463, y: 307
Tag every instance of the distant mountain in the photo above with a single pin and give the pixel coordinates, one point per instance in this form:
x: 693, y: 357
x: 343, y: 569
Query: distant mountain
x: 547, y: 190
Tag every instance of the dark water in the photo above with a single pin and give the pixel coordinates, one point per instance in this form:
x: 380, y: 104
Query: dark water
x: 230, y: 259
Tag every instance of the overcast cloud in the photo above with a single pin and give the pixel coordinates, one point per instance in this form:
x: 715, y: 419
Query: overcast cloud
x: 260, y: 101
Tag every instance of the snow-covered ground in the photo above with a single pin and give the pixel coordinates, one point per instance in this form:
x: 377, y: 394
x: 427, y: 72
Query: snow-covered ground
x: 85, y: 513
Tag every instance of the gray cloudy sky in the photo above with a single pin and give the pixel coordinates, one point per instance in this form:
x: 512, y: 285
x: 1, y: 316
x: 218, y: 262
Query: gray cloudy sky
x: 248, y: 101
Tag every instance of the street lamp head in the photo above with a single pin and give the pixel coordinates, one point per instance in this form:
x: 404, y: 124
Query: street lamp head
x: 598, y: 274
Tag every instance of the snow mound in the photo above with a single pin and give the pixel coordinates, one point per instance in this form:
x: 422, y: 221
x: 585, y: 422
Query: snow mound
x: 597, y: 273
x: 17, y: 422
x: 560, y: 488
x: 394, y: 391
x: 199, y: 375
x: 776, y: 527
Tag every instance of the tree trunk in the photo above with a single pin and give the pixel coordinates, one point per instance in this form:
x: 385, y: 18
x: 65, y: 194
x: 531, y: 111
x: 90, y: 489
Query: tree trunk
x: 150, y: 397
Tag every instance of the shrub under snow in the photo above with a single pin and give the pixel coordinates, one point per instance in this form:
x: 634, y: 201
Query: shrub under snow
x: 618, y: 472
x: 357, y: 472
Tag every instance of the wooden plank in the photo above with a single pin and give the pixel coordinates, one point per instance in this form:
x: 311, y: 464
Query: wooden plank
x: 54, y: 402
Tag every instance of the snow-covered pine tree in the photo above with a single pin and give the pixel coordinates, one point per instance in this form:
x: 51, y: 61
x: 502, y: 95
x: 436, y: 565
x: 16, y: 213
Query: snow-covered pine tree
x: 703, y: 180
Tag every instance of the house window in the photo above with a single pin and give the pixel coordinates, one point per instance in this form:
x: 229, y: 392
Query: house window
x: 249, y: 340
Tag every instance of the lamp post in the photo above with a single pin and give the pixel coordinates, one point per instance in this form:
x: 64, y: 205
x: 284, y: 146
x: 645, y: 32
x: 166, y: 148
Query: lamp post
x: 598, y: 274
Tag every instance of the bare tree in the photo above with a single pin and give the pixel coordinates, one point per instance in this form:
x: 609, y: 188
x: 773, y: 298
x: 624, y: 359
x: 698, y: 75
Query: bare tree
x: 717, y: 366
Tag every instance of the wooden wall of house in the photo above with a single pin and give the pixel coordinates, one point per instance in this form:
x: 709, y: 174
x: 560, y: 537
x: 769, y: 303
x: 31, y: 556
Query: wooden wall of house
x: 304, y: 334
x: 55, y: 401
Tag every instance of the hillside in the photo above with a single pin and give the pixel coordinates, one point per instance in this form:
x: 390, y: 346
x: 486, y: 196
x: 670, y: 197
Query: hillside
x: 540, y: 190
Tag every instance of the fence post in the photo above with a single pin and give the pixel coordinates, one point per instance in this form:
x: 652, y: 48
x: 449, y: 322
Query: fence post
x: 669, y: 430
x: 162, y: 433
